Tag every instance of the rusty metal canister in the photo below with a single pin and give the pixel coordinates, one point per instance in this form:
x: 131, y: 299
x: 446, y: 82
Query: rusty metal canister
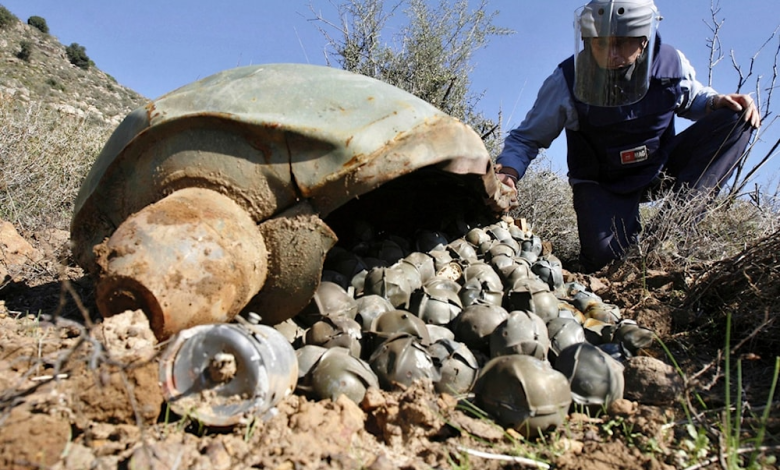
x: 195, y: 251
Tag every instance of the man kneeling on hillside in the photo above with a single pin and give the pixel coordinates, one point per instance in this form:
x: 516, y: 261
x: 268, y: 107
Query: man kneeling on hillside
x: 617, y: 98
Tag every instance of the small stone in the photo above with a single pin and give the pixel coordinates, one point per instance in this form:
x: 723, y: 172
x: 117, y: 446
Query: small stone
x: 78, y: 456
x: 570, y: 445
x: 582, y: 418
x: 114, y: 333
x: 163, y: 455
x: 622, y: 407
x: 482, y: 428
x: 381, y: 462
x: 447, y: 402
x: 650, y: 381
x: 373, y: 399
x: 218, y: 456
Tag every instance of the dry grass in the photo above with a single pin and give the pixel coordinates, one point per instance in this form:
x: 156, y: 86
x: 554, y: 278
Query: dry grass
x: 677, y: 235
x: 545, y: 202
x: 747, y: 286
x: 727, y: 255
x: 682, y: 234
x: 44, y: 156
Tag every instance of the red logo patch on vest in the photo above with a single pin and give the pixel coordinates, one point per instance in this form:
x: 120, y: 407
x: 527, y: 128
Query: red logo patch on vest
x: 634, y: 155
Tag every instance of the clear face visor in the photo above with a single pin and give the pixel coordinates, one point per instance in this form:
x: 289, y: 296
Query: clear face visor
x: 614, y: 45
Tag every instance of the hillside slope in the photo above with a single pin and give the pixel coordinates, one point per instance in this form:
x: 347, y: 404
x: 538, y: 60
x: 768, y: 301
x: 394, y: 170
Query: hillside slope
x: 47, y: 76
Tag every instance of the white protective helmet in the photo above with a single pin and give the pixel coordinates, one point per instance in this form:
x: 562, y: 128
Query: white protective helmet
x: 625, y: 18
x: 614, y: 21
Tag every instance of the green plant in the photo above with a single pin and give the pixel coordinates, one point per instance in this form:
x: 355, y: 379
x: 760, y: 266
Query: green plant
x: 460, y: 462
x: 250, y: 429
x: 618, y: 426
x: 696, y: 446
x: 52, y: 82
x: 77, y: 55
x: 732, y: 430
x: 710, y: 436
x: 25, y: 51
x: 6, y: 17
x: 759, y: 440
x: 39, y: 23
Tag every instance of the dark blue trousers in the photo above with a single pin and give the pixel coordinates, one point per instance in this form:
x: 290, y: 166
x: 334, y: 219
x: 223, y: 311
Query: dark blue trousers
x: 701, y: 158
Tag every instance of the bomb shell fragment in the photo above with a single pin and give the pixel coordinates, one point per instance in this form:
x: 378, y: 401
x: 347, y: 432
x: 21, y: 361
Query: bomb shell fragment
x: 252, y: 175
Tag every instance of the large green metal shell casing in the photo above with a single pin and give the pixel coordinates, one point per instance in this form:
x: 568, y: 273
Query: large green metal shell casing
x: 214, y: 198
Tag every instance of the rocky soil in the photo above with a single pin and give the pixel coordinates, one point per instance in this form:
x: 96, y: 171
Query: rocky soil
x: 77, y: 391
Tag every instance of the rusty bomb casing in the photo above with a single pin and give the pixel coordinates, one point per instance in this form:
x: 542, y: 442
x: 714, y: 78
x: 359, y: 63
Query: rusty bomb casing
x: 213, y: 199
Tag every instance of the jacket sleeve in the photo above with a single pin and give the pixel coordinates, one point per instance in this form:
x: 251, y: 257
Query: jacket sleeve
x: 692, y: 104
x: 552, y: 111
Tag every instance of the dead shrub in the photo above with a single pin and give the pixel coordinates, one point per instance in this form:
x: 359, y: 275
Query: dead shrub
x: 689, y: 232
x: 724, y: 254
x: 746, y: 286
x: 545, y: 201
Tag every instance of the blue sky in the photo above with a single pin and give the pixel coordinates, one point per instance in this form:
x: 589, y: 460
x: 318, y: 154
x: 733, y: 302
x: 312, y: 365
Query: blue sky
x: 156, y: 46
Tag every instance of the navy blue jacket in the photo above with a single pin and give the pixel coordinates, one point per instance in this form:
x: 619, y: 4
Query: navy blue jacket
x: 623, y: 147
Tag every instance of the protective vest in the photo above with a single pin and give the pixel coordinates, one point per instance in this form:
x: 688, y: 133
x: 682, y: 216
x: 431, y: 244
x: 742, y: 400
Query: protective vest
x: 623, y: 147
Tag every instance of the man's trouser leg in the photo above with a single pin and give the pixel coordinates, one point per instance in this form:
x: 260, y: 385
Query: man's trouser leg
x: 704, y: 156
x: 607, y: 224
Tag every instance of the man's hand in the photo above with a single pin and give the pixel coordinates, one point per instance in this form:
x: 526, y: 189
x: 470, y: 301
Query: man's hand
x: 739, y: 103
x: 507, y: 175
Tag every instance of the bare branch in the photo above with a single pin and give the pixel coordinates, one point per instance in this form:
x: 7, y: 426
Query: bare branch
x: 741, y: 182
x: 713, y: 43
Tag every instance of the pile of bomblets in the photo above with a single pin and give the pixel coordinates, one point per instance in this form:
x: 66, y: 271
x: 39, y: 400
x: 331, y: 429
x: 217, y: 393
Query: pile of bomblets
x: 486, y: 317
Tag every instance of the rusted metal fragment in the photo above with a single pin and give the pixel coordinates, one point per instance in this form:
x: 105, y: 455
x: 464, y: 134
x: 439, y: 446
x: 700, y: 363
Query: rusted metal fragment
x: 297, y: 242
x: 194, y: 257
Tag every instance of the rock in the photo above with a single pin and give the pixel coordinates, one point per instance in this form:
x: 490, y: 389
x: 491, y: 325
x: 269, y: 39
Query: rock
x: 622, y: 407
x: 373, y: 399
x: 484, y: 429
x: 15, y: 252
x: 32, y: 437
x: 127, y: 336
x: 164, y: 455
x: 218, y: 456
x: 597, y: 285
x: 570, y: 445
x: 78, y: 456
x: 650, y: 381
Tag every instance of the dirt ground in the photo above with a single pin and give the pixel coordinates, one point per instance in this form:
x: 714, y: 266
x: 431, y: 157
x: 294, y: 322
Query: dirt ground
x: 79, y: 392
